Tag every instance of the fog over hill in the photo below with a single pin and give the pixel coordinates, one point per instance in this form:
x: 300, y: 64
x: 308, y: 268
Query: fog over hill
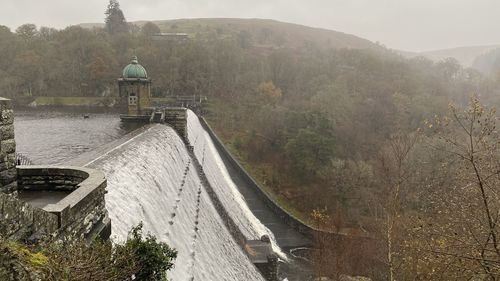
x: 295, y: 35
x: 465, y: 55
x: 289, y: 34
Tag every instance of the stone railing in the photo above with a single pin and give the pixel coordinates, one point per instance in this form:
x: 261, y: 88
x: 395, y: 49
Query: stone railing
x: 23, y: 160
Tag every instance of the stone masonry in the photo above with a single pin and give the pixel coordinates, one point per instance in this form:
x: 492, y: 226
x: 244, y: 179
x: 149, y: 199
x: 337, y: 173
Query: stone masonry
x: 8, y: 172
x: 81, y: 214
x: 177, y: 118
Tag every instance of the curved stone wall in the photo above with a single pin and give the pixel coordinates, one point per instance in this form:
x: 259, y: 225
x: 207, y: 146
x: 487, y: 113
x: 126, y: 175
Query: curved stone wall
x: 82, y: 213
x: 51, y: 178
x: 79, y: 214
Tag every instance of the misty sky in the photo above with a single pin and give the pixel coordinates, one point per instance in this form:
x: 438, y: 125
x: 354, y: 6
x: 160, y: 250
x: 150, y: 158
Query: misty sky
x: 413, y: 25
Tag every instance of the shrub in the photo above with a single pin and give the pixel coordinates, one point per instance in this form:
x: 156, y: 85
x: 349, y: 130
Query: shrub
x: 139, y: 258
x: 154, y: 257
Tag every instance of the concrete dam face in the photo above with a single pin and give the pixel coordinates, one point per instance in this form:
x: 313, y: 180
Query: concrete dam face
x: 152, y: 178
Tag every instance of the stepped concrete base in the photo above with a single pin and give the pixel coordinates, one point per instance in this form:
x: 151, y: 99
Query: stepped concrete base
x: 262, y: 256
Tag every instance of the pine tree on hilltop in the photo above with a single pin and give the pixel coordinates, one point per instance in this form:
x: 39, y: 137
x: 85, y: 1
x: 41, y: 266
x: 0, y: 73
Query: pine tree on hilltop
x: 115, y: 20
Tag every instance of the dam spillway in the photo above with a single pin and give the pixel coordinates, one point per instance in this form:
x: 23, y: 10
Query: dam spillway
x: 152, y: 178
x: 237, y: 193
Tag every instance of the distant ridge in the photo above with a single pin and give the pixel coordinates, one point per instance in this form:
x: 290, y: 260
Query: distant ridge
x: 465, y: 55
x: 264, y: 32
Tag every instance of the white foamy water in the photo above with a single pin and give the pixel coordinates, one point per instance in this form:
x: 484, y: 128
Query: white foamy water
x: 218, y: 176
x: 151, y: 178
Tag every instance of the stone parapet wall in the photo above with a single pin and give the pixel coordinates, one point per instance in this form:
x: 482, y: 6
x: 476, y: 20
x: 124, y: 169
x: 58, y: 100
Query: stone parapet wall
x: 7, y: 148
x: 49, y: 179
x: 81, y: 214
x: 20, y: 220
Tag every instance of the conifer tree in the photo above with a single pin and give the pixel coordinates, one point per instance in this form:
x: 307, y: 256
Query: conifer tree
x: 115, y: 20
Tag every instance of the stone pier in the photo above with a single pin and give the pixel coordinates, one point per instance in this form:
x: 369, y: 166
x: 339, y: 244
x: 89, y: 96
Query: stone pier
x: 263, y: 257
x: 176, y: 117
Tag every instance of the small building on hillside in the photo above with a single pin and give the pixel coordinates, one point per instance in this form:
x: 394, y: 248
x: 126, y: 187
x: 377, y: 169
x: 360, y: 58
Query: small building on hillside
x: 171, y: 36
x: 135, y: 90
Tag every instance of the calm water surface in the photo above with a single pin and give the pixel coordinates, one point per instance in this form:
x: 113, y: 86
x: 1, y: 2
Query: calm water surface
x: 54, y: 136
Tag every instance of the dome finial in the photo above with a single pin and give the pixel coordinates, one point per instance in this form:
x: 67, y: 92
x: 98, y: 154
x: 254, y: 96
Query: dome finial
x: 134, y: 70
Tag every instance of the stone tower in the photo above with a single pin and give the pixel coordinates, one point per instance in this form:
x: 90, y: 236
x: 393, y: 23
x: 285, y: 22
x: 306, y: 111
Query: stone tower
x: 135, y: 91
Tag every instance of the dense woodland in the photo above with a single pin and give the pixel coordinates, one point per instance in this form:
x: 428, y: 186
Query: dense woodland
x: 361, y: 138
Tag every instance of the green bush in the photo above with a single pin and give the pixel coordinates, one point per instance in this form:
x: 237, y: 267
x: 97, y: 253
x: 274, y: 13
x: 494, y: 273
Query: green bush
x: 154, y: 257
x: 141, y: 256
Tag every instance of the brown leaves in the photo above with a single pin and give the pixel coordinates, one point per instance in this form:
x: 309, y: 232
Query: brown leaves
x: 456, y: 234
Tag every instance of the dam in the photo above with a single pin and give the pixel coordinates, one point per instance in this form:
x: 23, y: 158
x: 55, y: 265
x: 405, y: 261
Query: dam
x: 152, y: 177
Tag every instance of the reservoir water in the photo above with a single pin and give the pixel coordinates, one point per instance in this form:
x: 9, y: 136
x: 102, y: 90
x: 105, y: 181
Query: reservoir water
x: 54, y: 136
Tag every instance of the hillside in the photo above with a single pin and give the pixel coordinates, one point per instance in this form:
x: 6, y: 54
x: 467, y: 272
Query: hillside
x: 488, y: 62
x: 465, y: 55
x: 262, y: 32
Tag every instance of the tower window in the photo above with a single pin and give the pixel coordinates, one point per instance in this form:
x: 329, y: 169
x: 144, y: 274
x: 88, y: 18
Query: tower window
x: 132, y: 99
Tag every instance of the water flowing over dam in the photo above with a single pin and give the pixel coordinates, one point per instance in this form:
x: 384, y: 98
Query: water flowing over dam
x: 253, y: 214
x: 238, y: 195
x: 151, y: 178
x: 221, y: 181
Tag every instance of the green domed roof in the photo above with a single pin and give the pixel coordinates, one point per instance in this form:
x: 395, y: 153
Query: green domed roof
x: 134, y: 70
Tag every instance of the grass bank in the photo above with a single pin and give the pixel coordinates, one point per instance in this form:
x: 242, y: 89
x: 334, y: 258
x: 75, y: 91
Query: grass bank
x: 74, y: 101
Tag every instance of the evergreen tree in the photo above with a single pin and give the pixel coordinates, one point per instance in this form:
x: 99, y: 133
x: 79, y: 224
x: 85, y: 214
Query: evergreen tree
x: 115, y: 20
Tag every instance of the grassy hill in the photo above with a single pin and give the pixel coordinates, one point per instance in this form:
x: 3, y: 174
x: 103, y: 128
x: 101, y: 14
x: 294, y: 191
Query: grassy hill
x: 262, y: 32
